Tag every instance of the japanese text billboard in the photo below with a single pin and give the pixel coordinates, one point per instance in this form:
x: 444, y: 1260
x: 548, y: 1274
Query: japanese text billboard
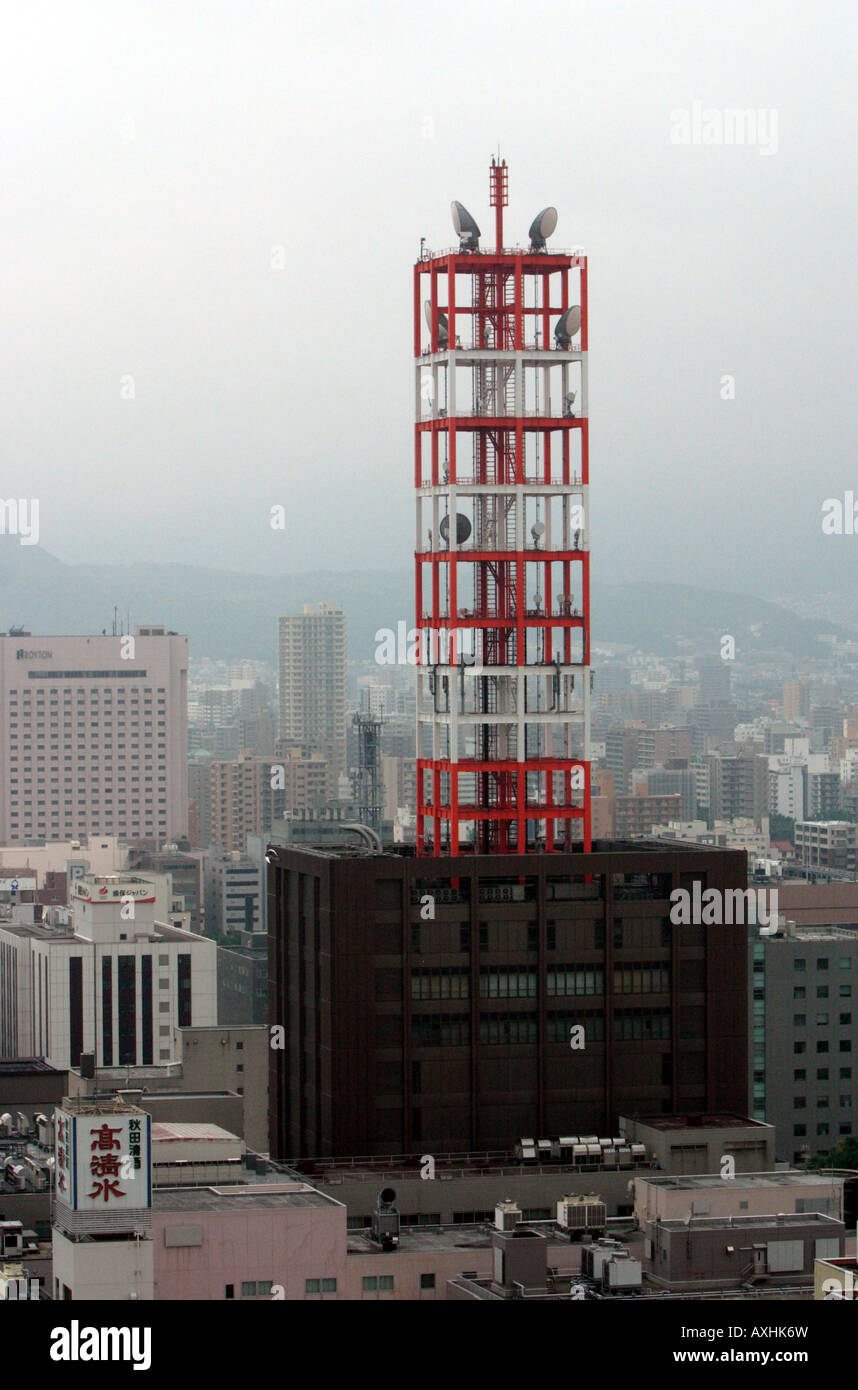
x: 102, y: 1161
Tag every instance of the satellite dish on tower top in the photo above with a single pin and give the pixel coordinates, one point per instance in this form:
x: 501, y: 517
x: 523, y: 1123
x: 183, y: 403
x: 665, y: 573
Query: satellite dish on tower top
x: 443, y: 327
x: 541, y: 227
x: 466, y: 228
x: 463, y: 528
x: 568, y: 325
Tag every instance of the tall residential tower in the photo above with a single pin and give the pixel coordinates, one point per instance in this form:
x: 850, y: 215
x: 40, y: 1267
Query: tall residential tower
x: 312, y: 671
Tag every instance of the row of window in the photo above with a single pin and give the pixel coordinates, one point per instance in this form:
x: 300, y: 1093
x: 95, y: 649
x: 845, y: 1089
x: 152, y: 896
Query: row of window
x: 821, y: 1102
x: 845, y: 1045
x: 800, y: 1130
x: 533, y: 934
x: 453, y: 982
x: 799, y: 992
x: 453, y: 1030
x: 800, y: 1020
x: 843, y: 963
x: 800, y: 1074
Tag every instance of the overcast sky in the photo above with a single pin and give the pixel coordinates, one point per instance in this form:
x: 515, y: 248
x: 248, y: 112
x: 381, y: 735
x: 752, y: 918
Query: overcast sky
x: 154, y: 153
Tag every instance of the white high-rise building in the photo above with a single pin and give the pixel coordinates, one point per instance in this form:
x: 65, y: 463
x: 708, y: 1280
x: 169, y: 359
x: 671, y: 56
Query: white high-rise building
x: 115, y: 983
x: 93, y: 736
x: 312, y: 673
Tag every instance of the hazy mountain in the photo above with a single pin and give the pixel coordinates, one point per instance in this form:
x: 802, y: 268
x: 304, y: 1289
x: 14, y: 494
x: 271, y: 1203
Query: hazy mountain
x: 229, y: 615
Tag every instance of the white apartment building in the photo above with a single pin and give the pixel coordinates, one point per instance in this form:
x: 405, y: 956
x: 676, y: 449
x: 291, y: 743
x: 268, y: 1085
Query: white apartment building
x: 116, y: 982
x: 93, y: 736
x: 787, y: 785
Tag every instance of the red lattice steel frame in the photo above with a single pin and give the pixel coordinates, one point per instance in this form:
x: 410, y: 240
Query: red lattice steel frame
x: 493, y: 771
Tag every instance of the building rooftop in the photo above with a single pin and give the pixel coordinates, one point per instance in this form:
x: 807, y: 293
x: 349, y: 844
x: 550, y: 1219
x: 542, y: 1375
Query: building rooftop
x: 749, y: 1223
x: 424, y: 1238
x: 27, y: 1066
x: 244, y: 1197
x: 159, y: 931
x: 705, y: 1121
x: 167, y: 1132
x: 792, y: 1178
x: 491, y: 862
x: 417, y: 1239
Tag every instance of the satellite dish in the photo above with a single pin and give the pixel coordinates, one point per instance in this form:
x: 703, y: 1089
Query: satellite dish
x: 387, y: 1196
x: 466, y: 228
x: 541, y: 227
x: 443, y: 326
x: 568, y: 326
x: 537, y: 530
x: 463, y: 528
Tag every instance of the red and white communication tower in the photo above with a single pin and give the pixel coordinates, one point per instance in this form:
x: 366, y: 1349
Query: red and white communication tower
x: 502, y: 558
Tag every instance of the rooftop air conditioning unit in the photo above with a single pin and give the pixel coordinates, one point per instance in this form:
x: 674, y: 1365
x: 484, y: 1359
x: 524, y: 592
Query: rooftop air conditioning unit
x: 507, y: 1215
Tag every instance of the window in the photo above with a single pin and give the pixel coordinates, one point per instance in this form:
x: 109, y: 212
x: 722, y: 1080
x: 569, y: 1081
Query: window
x: 312, y: 1286
x: 799, y: 964
x: 822, y: 1020
x: 385, y: 1283
x: 800, y: 1074
x: 330, y: 1285
x: 822, y: 1047
x: 369, y: 1283
x: 845, y: 991
x: 427, y: 1281
x: 248, y: 1290
x: 822, y: 991
x: 845, y: 1045
x: 799, y: 1130
x: 799, y: 992
x: 844, y: 1019
x: 822, y: 963
x: 799, y: 1047
x: 229, y: 1291
x: 799, y: 1102
x: 822, y: 1073
x: 845, y: 1073
x: 799, y: 1020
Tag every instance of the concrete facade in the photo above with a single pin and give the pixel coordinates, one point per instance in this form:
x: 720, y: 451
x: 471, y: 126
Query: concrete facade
x: 93, y: 736
x: 451, y: 1033
x: 804, y: 1054
x: 661, y: 1198
x: 755, y: 1250
x: 235, y: 1058
x: 687, y: 1144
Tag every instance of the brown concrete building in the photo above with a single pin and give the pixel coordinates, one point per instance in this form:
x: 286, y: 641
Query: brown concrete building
x: 246, y: 796
x: 636, y: 815
x: 819, y: 904
x: 430, y: 1003
x: 719, y: 1253
x: 687, y: 1144
x: 827, y: 844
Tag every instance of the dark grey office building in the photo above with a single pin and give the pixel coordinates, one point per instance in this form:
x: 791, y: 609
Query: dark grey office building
x: 803, y: 1054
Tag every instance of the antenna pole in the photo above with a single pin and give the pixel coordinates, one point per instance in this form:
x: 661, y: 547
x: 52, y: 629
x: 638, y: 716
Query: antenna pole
x: 498, y: 195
